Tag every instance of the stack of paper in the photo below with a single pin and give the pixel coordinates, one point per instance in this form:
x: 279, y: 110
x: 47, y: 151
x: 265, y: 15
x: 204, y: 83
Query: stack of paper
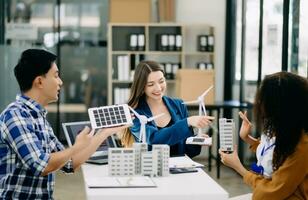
x: 183, y: 162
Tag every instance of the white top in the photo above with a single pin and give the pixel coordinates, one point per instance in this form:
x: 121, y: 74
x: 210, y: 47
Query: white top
x: 185, y: 186
x: 264, y: 154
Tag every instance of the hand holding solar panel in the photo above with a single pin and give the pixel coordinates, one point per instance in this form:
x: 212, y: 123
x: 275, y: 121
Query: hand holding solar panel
x: 143, y: 121
x: 109, y: 116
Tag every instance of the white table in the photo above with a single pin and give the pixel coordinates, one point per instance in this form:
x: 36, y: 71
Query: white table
x: 188, y: 186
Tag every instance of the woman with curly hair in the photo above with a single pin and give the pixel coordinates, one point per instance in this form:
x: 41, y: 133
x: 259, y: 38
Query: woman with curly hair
x: 281, y: 109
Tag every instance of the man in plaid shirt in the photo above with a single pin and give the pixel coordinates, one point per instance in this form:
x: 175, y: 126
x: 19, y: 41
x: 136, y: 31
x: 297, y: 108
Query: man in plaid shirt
x: 30, y: 153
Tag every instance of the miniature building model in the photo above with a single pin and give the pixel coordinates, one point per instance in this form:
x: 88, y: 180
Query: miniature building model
x: 139, y: 149
x: 226, y: 132
x: 163, y: 158
x: 121, y: 161
x: 138, y: 160
x: 149, y: 162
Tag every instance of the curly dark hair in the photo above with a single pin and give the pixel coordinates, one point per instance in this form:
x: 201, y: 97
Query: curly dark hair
x: 281, y: 109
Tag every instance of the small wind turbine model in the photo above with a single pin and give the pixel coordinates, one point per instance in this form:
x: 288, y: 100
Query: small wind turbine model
x: 143, y: 121
x: 202, y: 111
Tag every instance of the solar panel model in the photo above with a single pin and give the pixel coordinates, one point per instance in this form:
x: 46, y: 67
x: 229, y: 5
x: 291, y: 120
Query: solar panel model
x: 226, y: 131
x: 109, y: 116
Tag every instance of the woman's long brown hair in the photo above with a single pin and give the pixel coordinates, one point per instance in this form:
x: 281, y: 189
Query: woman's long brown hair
x: 142, y: 72
x: 281, y: 109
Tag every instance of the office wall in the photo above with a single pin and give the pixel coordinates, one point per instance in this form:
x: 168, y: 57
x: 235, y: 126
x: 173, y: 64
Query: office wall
x: 8, y: 84
x: 212, y: 13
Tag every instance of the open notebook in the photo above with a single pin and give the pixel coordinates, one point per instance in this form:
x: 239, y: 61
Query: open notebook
x: 183, y: 162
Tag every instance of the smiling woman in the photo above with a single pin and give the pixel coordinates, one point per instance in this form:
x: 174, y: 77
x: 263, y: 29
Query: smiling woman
x: 174, y: 127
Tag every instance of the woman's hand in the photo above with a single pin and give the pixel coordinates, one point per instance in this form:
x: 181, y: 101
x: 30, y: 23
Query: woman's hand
x: 246, y: 126
x: 232, y: 160
x: 246, y: 129
x: 200, y: 121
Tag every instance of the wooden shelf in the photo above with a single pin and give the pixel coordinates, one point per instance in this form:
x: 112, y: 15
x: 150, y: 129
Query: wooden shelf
x: 123, y: 82
x: 188, y: 57
x: 171, y: 81
x: 68, y: 108
x: 146, y: 52
x: 198, y: 53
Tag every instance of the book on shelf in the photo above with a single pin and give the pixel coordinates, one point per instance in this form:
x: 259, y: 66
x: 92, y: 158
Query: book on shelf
x: 201, y: 65
x: 205, y: 43
x: 133, y: 42
x: 121, y: 95
x: 210, y: 46
x: 163, y: 42
x: 202, y: 43
x: 205, y: 65
x: 178, y: 42
x: 171, y: 42
x: 123, y: 68
x: 141, y: 42
x: 175, y: 68
x: 168, y: 70
x: 210, y: 66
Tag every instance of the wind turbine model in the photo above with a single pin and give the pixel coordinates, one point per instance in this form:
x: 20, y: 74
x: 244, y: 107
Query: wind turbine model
x: 143, y: 121
x: 202, y: 111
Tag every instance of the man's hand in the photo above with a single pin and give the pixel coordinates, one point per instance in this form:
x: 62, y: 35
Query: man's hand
x: 83, y: 139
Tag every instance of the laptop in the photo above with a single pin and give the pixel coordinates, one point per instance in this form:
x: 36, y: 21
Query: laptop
x: 72, y: 129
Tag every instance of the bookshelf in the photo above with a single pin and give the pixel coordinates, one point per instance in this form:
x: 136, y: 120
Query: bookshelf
x: 175, y: 46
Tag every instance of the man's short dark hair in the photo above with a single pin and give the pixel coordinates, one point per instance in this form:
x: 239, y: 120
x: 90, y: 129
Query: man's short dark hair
x: 32, y: 63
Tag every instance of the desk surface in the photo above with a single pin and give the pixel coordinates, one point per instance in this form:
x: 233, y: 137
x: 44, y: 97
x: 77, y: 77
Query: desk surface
x: 189, y: 186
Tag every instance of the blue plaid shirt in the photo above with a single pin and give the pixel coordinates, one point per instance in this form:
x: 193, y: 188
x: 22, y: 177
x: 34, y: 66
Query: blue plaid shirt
x: 26, y: 142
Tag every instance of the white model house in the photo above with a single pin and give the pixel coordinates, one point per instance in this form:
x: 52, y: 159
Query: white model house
x: 139, y: 161
x: 121, y: 162
x: 149, y: 163
x: 139, y: 149
x: 226, y: 134
x: 163, y: 158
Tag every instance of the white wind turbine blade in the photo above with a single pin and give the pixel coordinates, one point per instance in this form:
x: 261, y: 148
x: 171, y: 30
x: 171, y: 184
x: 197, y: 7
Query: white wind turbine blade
x: 206, y: 91
x: 155, y: 117
x: 143, y: 120
x: 135, y: 113
x: 142, y: 133
x: 200, y: 108
x: 203, y: 107
x: 191, y: 102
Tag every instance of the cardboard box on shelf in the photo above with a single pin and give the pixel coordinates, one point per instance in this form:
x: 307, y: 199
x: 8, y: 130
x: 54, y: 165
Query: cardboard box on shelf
x: 130, y: 11
x: 191, y: 83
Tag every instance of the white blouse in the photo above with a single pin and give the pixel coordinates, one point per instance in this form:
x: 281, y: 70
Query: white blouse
x: 264, y: 154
